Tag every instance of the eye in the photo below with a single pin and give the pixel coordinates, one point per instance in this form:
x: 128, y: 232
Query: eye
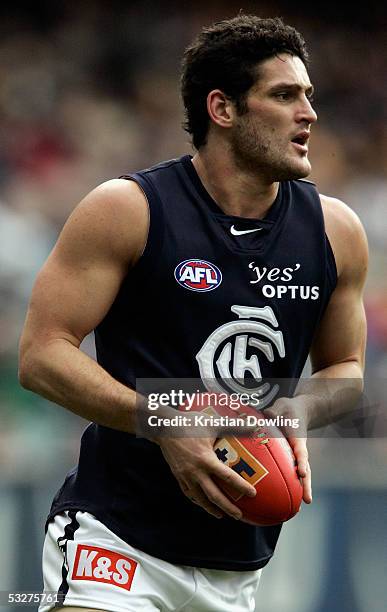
x: 283, y: 95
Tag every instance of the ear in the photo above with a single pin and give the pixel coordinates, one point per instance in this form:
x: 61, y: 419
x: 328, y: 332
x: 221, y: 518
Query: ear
x: 220, y: 108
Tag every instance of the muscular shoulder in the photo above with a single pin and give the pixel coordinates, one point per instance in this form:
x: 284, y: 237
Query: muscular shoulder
x: 346, y: 235
x: 112, y: 218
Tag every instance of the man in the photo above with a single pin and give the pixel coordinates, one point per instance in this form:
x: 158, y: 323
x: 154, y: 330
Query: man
x: 223, y: 267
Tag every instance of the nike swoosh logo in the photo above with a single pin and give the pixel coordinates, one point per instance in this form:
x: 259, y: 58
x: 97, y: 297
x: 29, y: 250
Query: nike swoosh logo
x: 236, y: 232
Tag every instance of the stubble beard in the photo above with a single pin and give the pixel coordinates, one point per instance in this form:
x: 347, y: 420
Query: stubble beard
x: 256, y: 154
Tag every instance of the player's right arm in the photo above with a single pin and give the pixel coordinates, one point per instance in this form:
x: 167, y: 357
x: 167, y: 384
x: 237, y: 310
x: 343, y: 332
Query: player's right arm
x: 102, y: 239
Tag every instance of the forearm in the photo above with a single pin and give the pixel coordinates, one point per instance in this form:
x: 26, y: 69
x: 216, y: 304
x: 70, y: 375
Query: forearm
x: 62, y: 373
x: 331, y: 393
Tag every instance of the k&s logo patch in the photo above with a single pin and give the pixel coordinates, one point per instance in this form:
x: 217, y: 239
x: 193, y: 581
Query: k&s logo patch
x: 101, y: 565
x: 198, y: 275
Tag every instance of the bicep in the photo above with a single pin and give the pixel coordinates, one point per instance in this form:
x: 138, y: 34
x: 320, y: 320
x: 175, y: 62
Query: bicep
x: 77, y: 285
x: 71, y: 300
x: 341, y: 335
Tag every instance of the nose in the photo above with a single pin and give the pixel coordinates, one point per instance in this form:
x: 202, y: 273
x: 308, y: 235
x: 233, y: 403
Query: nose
x: 306, y: 112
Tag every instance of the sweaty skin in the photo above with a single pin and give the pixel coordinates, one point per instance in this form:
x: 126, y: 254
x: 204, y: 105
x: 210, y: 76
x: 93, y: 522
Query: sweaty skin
x: 240, y: 166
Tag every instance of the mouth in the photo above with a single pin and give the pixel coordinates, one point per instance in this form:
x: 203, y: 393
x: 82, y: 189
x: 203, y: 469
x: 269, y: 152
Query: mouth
x: 300, y: 141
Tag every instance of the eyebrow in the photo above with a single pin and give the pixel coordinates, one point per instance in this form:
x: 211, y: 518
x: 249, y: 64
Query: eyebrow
x: 292, y: 87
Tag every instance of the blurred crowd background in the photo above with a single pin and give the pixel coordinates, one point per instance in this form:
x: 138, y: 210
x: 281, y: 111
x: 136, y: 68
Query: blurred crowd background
x: 90, y: 90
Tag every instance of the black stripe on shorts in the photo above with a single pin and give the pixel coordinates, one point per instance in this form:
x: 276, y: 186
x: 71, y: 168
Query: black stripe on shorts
x: 69, y: 532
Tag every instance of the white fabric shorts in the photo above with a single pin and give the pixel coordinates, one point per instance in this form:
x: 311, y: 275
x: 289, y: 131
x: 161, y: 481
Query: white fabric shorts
x: 90, y: 567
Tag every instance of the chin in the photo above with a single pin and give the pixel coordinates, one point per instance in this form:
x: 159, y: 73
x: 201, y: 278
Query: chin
x: 296, y: 171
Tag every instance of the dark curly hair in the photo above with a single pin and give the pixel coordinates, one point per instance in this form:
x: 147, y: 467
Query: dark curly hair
x: 225, y: 56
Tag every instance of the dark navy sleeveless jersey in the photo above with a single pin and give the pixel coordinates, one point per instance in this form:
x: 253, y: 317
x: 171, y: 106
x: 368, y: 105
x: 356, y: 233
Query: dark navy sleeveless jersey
x: 213, y: 297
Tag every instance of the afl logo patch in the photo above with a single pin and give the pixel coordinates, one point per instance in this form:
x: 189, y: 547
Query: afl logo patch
x: 198, y: 275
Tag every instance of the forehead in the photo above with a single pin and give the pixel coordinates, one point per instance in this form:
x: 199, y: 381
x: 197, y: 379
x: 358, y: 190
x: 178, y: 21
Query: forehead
x: 282, y: 68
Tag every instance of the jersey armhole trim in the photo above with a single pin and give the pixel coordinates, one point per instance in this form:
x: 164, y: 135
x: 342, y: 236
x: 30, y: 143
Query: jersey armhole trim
x: 155, y: 213
x: 331, y: 264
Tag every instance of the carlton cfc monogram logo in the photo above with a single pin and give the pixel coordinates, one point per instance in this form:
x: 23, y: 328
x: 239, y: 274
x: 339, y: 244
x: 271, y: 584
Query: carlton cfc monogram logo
x: 198, y: 275
x: 231, y: 352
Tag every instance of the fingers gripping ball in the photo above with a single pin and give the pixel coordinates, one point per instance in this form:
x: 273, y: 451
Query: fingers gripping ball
x: 267, y: 462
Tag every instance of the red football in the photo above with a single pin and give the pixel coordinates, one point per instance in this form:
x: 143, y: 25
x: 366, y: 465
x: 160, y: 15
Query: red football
x: 267, y: 462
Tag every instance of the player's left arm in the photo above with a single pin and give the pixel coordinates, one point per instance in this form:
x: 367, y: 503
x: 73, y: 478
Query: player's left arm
x: 338, y: 348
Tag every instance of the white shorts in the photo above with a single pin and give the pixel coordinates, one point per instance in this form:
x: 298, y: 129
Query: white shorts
x: 91, y: 567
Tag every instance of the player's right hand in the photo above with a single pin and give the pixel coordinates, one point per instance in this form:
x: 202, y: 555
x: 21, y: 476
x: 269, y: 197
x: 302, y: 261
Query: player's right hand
x: 195, y: 466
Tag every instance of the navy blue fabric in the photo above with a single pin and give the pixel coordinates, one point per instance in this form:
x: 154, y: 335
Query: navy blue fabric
x: 156, y: 328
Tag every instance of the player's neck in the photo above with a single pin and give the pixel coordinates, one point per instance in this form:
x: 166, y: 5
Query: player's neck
x: 237, y: 192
